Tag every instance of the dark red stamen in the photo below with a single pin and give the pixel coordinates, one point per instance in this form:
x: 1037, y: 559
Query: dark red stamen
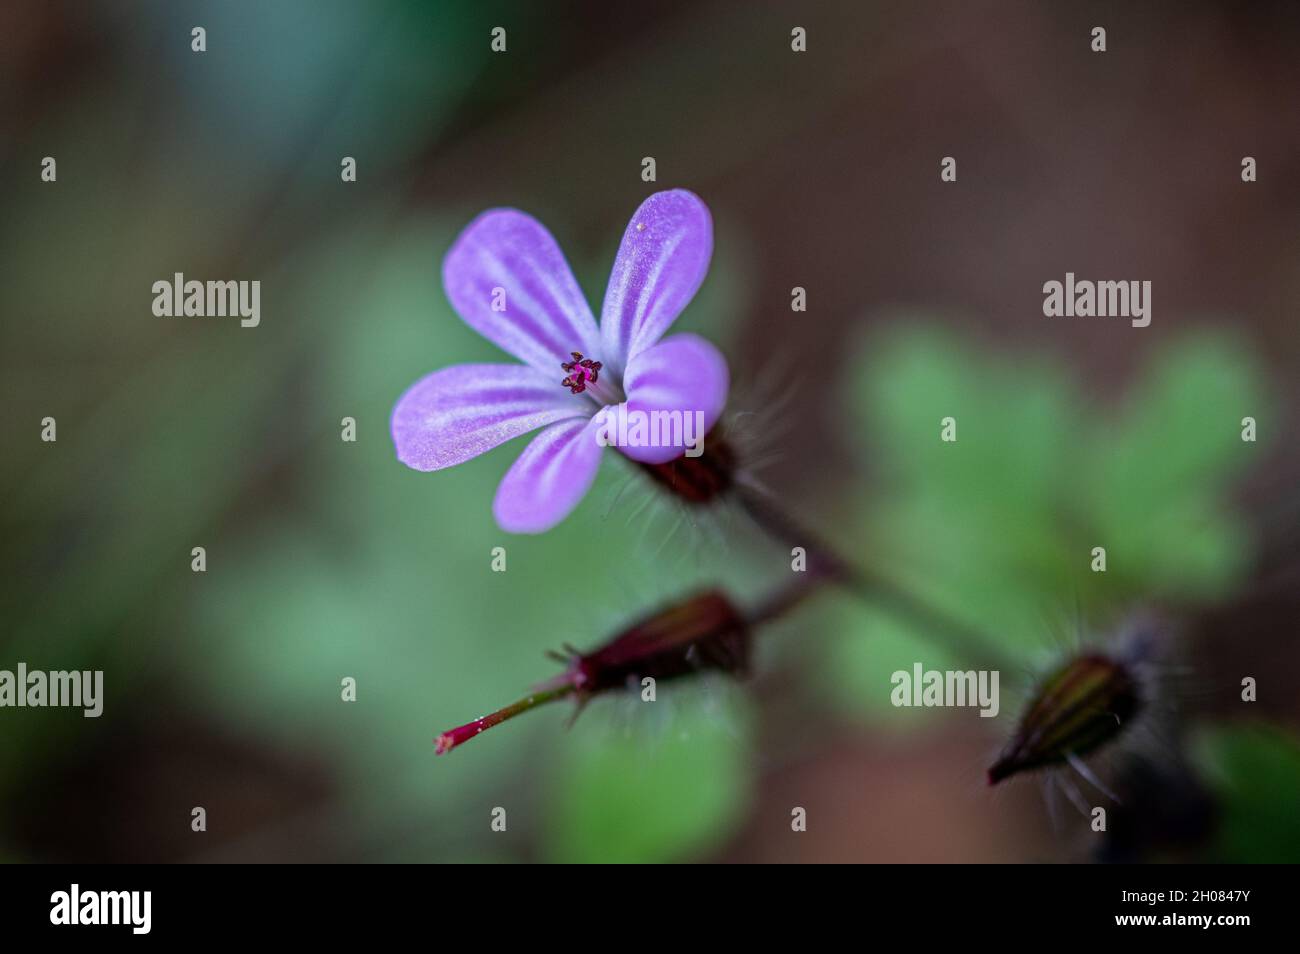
x: 582, y: 371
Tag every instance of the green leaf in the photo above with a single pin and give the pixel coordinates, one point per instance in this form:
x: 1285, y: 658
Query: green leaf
x: 996, y: 528
x: 1155, y: 477
x: 1179, y: 435
x: 1013, y: 422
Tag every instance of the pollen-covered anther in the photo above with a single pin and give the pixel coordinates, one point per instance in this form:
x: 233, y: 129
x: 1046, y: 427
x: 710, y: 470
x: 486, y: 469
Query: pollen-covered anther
x: 582, y: 372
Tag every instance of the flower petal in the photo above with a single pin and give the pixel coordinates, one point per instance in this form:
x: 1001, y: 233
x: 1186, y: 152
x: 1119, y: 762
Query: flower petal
x: 460, y: 412
x: 553, y: 473
x: 683, y: 373
x: 660, y: 265
x: 506, y: 276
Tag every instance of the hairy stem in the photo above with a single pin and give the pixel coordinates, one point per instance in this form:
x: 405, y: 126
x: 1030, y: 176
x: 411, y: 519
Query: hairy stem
x: 785, y: 599
x: 953, y: 635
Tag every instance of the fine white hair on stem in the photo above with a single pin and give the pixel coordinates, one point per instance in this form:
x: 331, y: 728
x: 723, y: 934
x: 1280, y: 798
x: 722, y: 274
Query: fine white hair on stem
x: 626, y: 481
x: 1072, y: 793
x: 1090, y: 777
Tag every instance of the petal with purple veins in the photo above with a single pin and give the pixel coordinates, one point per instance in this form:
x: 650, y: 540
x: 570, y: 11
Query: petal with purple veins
x: 550, y: 477
x: 507, y: 278
x: 662, y: 261
x: 460, y: 412
x: 683, y: 373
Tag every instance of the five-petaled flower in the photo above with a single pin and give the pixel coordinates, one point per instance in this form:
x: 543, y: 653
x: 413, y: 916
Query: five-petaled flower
x: 507, y: 278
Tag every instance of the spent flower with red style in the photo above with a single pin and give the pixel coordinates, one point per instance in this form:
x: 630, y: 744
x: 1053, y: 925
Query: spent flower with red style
x: 703, y: 632
x: 507, y: 278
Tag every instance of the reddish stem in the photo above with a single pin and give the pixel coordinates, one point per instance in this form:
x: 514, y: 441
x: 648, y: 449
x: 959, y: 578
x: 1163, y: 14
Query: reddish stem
x: 449, y: 740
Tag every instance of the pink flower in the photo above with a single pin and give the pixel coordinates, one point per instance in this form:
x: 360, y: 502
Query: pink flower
x: 507, y: 278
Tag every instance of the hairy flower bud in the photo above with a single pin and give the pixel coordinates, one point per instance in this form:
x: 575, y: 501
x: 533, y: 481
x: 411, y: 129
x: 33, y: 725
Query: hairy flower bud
x: 1080, y: 707
x: 703, y: 632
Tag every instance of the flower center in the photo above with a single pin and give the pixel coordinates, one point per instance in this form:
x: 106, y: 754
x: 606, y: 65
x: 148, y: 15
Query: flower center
x: 582, y: 372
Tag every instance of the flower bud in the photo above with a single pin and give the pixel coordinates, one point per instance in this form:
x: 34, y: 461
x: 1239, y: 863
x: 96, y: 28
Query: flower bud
x: 703, y: 632
x: 1080, y: 707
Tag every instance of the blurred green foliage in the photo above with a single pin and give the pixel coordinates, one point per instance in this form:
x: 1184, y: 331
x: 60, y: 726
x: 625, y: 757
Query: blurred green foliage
x: 653, y: 782
x: 998, y: 527
x: 1254, y: 770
